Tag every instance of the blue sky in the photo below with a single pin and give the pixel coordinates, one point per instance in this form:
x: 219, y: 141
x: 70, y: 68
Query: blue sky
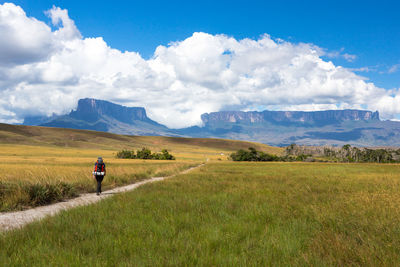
x: 370, y: 30
x: 179, y: 59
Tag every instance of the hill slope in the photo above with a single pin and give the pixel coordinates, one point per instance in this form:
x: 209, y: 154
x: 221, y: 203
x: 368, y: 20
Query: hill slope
x: 36, y: 135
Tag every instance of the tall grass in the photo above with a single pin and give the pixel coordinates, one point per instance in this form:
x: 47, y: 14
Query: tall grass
x: 32, y: 176
x: 229, y: 214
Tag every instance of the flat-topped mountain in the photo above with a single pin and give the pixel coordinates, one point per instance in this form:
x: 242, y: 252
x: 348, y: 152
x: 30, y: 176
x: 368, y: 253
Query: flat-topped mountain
x: 92, y: 110
x: 304, y: 117
x: 332, y: 127
x: 100, y: 115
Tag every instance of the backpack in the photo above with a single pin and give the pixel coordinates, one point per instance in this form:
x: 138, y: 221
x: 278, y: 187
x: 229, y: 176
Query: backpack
x: 99, y: 169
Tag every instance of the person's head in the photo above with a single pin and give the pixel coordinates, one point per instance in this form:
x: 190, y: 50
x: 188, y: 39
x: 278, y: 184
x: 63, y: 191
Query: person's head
x: 100, y: 160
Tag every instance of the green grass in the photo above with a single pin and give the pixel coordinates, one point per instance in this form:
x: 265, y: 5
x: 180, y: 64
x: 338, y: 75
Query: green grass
x: 40, y: 165
x: 229, y: 214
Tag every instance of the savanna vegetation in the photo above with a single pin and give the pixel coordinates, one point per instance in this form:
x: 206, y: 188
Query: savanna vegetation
x: 253, y: 154
x: 35, y: 175
x: 229, y: 214
x: 41, y: 165
x: 144, y: 153
x: 346, y: 153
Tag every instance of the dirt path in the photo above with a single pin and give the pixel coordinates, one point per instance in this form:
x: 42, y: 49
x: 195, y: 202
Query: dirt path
x: 17, y: 219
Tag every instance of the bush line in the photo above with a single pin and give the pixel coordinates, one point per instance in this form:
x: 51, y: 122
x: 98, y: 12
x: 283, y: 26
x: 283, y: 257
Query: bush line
x: 145, y: 153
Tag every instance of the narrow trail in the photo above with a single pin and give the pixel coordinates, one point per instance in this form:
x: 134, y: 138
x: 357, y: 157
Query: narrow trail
x: 17, y: 219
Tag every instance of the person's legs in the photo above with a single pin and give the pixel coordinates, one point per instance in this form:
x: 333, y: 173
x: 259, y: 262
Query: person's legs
x: 98, y: 186
x: 99, y: 179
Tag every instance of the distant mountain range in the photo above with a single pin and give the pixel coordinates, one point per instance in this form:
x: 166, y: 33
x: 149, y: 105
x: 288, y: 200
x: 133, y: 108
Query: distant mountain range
x: 333, y: 127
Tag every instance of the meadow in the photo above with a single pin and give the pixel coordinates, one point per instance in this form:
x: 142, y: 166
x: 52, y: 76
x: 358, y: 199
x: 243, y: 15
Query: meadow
x: 41, y: 165
x: 32, y: 176
x: 229, y: 214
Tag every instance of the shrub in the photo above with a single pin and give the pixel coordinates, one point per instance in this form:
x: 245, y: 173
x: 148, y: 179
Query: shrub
x: 126, y: 154
x: 166, y: 155
x: 253, y: 155
x: 145, y: 153
x: 346, y: 153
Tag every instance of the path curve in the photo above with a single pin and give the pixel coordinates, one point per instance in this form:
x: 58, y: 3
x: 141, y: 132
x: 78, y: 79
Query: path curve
x: 17, y: 219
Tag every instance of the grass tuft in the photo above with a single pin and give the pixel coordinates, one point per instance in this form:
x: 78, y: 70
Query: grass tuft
x: 42, y: 194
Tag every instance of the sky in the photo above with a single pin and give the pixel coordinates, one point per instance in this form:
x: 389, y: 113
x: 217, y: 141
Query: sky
x: 179, y: 59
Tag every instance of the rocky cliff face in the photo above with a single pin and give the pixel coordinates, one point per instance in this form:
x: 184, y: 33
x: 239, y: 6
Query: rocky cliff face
x: 100, y: 115
x: 92, y: 109
x: 312, y: 117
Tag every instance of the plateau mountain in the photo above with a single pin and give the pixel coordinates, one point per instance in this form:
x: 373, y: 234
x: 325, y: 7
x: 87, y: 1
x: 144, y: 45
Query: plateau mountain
x: 329, y: 127
x: 100, y: 115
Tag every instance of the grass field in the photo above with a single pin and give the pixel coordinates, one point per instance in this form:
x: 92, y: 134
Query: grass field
x: 41, y: 165
x: 229, y: 214
x: 35, y: 175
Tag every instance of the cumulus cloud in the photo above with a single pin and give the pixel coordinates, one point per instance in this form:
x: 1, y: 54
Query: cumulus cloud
x: 22, y: 39
x: 68, y: 30
x: 48, y: 70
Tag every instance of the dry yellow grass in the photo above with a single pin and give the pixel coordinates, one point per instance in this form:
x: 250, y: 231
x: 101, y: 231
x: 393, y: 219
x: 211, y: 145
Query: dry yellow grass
x: 34, y: 163
x: 57, y: 137
x: 55, y: 173
x: 39, y: 164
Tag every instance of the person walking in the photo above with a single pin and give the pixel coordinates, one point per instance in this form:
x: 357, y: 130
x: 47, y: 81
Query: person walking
x: 99, y: 173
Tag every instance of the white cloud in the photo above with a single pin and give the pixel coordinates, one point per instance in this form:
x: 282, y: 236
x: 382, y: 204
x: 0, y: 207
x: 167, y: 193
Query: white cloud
x: 349, y: 57
x: 48, y: 70
x: 59, y: 17
x: 338, y: 54
x: 394, y: 68
x: 22, y: 39
x: 364, y: 69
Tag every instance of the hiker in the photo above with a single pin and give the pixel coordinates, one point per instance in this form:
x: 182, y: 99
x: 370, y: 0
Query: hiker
x: 99, y: 173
